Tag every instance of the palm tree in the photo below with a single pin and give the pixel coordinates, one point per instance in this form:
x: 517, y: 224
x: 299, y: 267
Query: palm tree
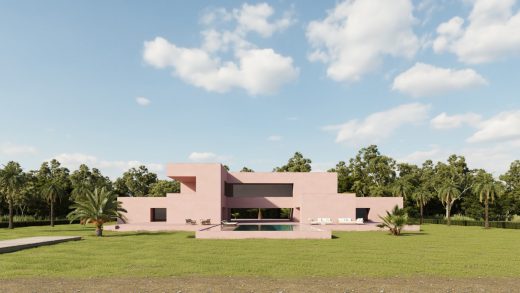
x: 11, y: 182
x: 421, y: 198
x: 79, y: 190
x: 487, y: 189
x: 97, y: 207
x: 401, y: 188
x: 448, y: 194
x: 394, y: 221
x: 52, y: 192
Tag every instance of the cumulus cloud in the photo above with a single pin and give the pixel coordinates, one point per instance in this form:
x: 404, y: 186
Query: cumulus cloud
x: 501, y: 127
x: 435, y: 153
x: 274, y: 138
x: 142, y: 101
x: 351, y: 46
x: 11, y: 149
x: 445, y: 121
x: 491, y: 32
x: 255, y: 18
x: 73, y: 160
x: 427, y: 80
x: 495, y: 159
x: 379, y: 125
x: 206, y: 157
x: 256, y: 70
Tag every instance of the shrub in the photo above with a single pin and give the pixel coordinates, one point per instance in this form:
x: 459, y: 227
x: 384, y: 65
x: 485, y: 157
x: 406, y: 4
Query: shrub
x: 394, y: 221
x: 460, y: 217
x: 515, y: 218
x: 17, y: 218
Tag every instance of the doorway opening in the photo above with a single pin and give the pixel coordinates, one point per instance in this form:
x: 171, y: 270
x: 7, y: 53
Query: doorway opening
x: 262, y: 214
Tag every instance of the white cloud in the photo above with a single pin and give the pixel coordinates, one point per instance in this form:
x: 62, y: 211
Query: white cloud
x: 495, y: 159
x: 142, y: 101
x: 11, y: 149
x: 379, y: 125
x: 503, y: 126
x: 491, y: 32
x: 73, y: 160
x: 274, y: 138
x: 435, y: 153
x: 322, y: 167
x: 207, y: 157
x: 256, y: 18
x: 427, y: 80
x: 445, y: 121
x: 214, y: 15
x: 256, y: 70
x: 356, y: 35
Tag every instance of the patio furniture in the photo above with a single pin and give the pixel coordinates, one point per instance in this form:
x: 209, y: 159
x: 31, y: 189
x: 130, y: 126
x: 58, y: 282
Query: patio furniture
x: 346, y: 221
x: 227, y: 223
x: 360, y: 221
x: 191, y: 222
x: 205, y: 222
x: 325, y: 221
x: 313, y: 221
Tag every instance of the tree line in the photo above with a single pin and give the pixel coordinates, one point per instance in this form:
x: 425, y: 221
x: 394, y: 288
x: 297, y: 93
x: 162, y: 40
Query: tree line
x: 47, y: 193
x: 431, y: 189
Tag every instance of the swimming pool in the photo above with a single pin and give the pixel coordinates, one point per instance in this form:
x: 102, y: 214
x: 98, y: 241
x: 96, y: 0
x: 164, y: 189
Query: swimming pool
x: 264, y: 227
x: 266, y: 231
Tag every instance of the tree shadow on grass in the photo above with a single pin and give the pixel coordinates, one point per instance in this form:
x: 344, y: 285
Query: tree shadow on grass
x: 86, y: 229
x: 414, y: 234
x: 126, y: 234
x: 402, y: 234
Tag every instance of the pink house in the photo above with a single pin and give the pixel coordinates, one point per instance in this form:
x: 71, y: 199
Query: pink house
x: 209, y: 191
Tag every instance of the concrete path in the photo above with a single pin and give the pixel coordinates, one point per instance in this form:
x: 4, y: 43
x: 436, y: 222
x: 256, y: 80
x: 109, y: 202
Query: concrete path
x: 29, y: 242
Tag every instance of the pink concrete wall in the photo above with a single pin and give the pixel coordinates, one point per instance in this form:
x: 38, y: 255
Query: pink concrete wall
x: 378, y: 205
x: 303, y: 182
x: 332, y: 206
x: 138, y: 208
x: 200, y: 196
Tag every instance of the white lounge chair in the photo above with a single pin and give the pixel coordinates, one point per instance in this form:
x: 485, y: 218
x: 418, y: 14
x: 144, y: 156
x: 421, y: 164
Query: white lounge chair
x: 227, y: 223
x: 313, y: 221
x: 360, y: 221
x: 346, y: 221
x: 326, y: 221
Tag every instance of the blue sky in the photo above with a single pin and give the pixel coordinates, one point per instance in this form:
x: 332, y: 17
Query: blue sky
x: 120, y: 83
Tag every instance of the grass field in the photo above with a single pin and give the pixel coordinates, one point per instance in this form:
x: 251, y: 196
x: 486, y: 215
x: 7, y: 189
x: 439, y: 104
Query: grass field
x: 438, y: 251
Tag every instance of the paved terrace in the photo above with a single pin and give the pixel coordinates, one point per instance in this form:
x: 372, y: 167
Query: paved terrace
x: 369, y: 226
x: 29, y: 242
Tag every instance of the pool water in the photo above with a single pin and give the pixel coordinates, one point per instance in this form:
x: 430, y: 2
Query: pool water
x: 264, y: 228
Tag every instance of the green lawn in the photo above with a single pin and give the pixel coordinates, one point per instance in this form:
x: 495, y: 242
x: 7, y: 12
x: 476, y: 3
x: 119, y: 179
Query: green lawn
x: 438, y: 251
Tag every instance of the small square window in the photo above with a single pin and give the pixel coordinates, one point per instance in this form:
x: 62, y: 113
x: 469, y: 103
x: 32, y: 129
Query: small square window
x: 158, y: 215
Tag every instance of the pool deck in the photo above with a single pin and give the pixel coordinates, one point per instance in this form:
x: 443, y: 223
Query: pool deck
x: 370, y: 226
x: 30, y: 242
x: 299, y: 232
x: 154, y: 227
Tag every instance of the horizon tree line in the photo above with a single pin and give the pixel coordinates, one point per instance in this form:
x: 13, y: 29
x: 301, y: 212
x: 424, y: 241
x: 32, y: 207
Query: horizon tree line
x: 432, y: 189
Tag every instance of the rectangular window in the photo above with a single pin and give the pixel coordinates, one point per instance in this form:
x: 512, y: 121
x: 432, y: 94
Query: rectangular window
x: 158, y: 215
x: 362, y: 213
x: 259, y: 189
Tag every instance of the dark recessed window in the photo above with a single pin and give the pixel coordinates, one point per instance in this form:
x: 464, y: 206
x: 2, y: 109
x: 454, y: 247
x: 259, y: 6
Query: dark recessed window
x: 259, y: 190
x: 158, y: 215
